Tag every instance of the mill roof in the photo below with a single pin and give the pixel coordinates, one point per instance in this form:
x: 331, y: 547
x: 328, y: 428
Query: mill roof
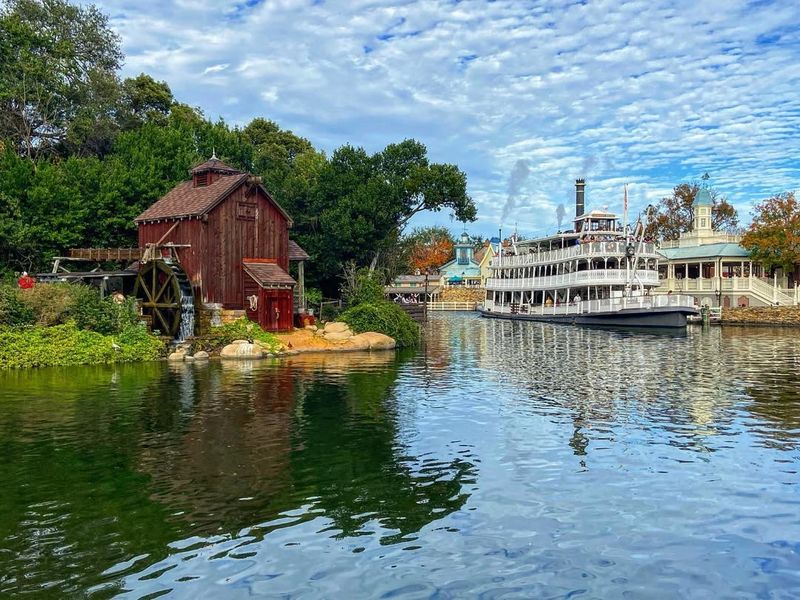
x: 267, y: 273
x: 296, y: 253
x: 185, y: 200
x: 724, y: 250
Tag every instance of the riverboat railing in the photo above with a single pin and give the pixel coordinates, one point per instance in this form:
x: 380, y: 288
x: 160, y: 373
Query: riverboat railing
x: 446, y: 306
x: 597, y: 306
x: 586, y: 250
x: 576, y: 279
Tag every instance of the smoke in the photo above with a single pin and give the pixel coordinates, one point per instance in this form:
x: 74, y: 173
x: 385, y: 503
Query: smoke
x: 561, y: 212
x: 588, y: 164
x: 519, y: 175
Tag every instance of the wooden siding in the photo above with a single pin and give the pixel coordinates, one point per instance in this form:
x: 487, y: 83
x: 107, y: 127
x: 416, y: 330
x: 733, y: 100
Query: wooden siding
x: 274, y: 311
x: 244, y: 225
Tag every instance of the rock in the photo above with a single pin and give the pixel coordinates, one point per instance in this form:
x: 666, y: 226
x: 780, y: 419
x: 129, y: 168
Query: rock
x: 189, y: 358
x: 358, y: 342
x: 235, y: 342
x: 376, y: 341
x: 338, y: 336
x: 336, y: 327
x: 311, y: 327
x: 202, y: 355
x: 243, y: 350
x: 319, y: 332
x: 177, y: 356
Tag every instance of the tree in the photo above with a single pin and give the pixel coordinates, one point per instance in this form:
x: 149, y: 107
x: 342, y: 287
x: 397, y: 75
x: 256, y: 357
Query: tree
x: 429, y: 248
x: 773, y: 237
x: 58, y: 64
x: 673, y: 214
x: 144, y: 100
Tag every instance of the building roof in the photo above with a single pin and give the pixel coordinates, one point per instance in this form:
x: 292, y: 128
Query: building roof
x: 214, y: 164
x: 185, y: 200
x: 267, y: 273
x: 296, y: 253
x: 407, y: 289
x: 720, y: 250
x: 703, y: 197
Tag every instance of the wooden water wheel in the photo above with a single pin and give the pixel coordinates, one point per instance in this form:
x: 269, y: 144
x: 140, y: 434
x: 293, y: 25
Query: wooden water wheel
x: 162, y: 289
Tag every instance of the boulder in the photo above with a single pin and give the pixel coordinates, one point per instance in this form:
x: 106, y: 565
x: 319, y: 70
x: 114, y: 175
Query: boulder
x: 357, y: 342
x: 375, y: 341
x: 244, y: 350
x: 201, y: 355
x: 336, y: 327
x: 177, y: 356
x: 338, y: 336
x: 311, y: 327
x: 236, y: 342
x: 189, y: 358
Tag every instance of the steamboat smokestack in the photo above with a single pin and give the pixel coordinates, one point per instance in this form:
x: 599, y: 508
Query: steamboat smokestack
x: 580, y: 185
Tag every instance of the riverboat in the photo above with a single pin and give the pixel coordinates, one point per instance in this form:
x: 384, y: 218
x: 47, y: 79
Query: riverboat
x: 600, y: 273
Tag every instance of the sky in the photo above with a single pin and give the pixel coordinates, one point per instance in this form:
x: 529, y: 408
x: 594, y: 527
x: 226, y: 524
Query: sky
x: 524, y: 96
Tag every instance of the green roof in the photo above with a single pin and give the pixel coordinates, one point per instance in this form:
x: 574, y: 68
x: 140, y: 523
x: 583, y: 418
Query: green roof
x: 721, y: 249
x: 703, y: 198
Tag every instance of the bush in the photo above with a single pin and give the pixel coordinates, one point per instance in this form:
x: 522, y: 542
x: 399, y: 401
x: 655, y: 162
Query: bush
x: 383, y: 317
x: 67, y: 345
x: 12, y: 311
x: 49, y: 304
x: 361, y: 286
x: 240, y: 329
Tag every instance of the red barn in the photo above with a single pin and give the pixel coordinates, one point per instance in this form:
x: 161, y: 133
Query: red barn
x: 236, y: 237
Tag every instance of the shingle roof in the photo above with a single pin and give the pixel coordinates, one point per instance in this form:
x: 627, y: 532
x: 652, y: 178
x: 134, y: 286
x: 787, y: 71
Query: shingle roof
x: 267, y: 274
x: 185, y: 200
x: 705, y: 251
x: 296, y: 252
x: 214, y: 164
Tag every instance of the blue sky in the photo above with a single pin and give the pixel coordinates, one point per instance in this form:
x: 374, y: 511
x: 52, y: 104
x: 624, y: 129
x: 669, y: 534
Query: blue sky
x: 523, y: 95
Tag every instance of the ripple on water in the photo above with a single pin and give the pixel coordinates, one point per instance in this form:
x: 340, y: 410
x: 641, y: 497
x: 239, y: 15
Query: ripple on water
x: 503, y: 459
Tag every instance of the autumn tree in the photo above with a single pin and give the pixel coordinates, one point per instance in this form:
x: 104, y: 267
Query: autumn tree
x: 673, y: 215
x: 773, y: 237
x: 429, y: 248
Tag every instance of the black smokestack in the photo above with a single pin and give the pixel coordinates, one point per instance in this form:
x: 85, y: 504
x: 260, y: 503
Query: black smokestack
x: 580, y: 185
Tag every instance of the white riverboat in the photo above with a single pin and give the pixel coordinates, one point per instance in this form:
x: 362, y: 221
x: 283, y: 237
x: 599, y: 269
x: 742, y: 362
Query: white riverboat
x: 600, y: 273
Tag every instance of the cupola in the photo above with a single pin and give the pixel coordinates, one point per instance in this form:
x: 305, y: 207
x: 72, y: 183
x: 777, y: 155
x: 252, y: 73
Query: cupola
x: 209, y: 171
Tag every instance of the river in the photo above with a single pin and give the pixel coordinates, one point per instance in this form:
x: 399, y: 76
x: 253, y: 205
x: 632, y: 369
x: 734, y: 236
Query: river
x: 501, y: 460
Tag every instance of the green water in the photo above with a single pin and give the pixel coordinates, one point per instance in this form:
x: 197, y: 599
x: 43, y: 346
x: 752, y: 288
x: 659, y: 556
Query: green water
x: 519, y: 459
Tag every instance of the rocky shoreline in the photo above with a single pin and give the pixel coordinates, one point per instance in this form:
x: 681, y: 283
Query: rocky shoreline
x: 785, y: 316
x: 334, y: 337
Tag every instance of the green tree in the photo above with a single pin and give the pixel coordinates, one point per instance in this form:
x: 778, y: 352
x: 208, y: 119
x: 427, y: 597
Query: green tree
x: 673, y: 214
x: 773, y: 237
x: 58, y: 66
x: 144, y: 100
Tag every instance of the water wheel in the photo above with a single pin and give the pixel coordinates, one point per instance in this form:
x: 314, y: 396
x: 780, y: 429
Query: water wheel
x: 164, y: 292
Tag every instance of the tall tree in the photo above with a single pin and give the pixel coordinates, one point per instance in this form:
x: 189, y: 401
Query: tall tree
x: 773, y: 237
x: 673, y: 214
x: 58, y: 80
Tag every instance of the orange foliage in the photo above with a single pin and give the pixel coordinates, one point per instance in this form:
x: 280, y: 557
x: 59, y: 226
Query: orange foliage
x: 431, y: 254
x: 773, y: 238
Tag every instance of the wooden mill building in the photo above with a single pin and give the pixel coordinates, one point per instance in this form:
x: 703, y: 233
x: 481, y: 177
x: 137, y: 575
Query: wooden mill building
x: 232, y: 239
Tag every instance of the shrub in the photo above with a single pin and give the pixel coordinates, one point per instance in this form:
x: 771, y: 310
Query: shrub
x: 383, y: 317
x: 67, y: 345
x: 240, y: 329
x: 361, y: 286
x: 12, y: 310
x: 313, y: 297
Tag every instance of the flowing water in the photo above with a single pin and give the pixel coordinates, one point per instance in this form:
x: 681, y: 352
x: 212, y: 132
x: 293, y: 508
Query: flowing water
x: 502, y: 460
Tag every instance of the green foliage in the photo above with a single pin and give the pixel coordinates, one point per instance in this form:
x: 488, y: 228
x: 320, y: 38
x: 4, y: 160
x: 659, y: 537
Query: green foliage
x: 313, y: 297
x: 383, y: 317
x: 49, y: 304
x: 240, y: 329
x: 361, y: 286
x: 22, y: 347
x: 773, y: 238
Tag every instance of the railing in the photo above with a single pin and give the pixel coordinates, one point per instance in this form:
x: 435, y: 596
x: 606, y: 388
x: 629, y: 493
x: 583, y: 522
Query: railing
x: 587, y: 250
x: 596, y: 306
x: 765, y: 292
x: 452, y: 305
x: 578, y: 278
x: 727, y: 238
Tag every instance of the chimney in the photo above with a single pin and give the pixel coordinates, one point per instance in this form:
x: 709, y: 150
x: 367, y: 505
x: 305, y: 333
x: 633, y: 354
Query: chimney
x: 580, y: 184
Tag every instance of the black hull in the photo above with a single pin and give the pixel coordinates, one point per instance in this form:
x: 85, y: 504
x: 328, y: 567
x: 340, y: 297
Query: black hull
x: 665, y: 317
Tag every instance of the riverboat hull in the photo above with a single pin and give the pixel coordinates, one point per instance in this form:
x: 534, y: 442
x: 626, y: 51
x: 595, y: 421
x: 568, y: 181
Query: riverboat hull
x: 657, y: 317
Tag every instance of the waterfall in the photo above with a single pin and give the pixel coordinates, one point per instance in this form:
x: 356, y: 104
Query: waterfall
x: 187, y: 317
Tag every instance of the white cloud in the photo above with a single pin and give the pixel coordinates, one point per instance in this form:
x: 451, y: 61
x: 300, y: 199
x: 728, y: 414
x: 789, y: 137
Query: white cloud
x: 650, y: 92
